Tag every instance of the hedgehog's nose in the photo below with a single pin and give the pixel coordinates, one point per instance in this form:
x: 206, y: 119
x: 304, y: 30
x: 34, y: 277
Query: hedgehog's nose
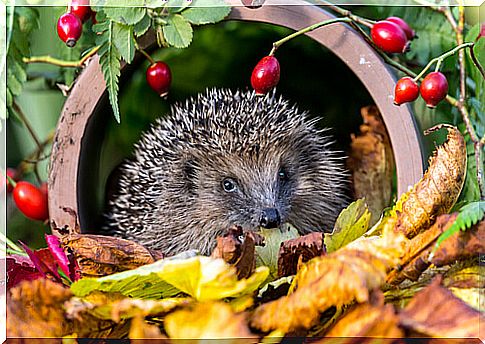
x: 270, y: 218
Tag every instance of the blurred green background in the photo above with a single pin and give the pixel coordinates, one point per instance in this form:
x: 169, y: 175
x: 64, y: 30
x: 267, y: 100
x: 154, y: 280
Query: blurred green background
x: 221, y: 55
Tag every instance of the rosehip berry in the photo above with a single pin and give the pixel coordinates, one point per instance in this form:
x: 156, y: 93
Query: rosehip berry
x: 159, y: 77
x: 69, y: 29
x: 81, y: 9
x: 406, y: 90
x: 389, y: 37
x: 31, y: 201
x: 12, y: 174
x: 410, y: 34
x: 434, y: 88
x: 266, y: 75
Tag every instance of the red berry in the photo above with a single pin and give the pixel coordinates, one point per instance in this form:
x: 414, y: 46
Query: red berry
x: 434, y: 88
x: 31, y: 201
x: 81, y: 9
x: 266, y: 75
x: 410, y: 34
x: 69, y: 29
x: 406, y: 90
x: 12, y: 174
x: 159, y: 77
x: 389, y: 37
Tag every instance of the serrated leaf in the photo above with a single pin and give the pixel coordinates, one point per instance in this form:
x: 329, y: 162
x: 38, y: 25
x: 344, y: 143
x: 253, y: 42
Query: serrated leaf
x: 351, y: 224
x: 203, y: 278
x: 142, y: 26
x: 178, y: 31
x: 206, y: 15
x: 124, y: 41
x: 124, y: 15
x: 468, y: 216
x: 110, y: 61
x: 176, y: 6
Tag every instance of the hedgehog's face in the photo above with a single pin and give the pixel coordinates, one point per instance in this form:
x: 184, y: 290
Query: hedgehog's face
x: 246, y: 191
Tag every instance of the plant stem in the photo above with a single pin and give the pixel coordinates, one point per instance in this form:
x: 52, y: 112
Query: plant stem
x: 476, y: 62
x: 348, y: 14
x: 32, y: 133
x: 61, y: 63
x: 277, y: 44
x: 149, y: 58
x: 440, y: 58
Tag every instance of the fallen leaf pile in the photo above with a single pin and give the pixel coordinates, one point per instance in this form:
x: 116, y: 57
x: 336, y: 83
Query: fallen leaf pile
x: 414, y: 273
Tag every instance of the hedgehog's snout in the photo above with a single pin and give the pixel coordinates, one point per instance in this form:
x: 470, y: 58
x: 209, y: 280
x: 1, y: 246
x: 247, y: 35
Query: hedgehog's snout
x: 270, y: 218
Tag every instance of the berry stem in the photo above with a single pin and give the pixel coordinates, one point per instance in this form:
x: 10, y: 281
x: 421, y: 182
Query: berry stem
x: 149, y: 58
x: 62, y: 63
x: 442, y: 57
x: 346, y: 13
x: 277, y: 44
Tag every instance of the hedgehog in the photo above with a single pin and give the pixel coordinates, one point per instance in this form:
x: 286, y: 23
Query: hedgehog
x: 224, y: 159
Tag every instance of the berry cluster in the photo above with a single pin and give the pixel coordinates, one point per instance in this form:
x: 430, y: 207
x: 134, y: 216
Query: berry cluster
x: 433, y: 89
x: 70, y: 24
x: 29, y: 199
x: 392, y: 35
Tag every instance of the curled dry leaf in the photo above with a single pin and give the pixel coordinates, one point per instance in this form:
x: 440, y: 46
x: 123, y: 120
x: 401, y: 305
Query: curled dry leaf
x: 35, y: 309
x: 237, y: 248
x: 418, y: 256
x: 293, y: 252
x: 436, y: 312
x: 207, y: 320
x: 372, y: 163
x: 340, y: 278
x: 438, y: 190
x: 370, y: 319
x: 99, y: 255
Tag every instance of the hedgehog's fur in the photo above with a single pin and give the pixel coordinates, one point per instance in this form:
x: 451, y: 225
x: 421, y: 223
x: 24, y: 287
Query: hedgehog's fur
x: 169, y: 196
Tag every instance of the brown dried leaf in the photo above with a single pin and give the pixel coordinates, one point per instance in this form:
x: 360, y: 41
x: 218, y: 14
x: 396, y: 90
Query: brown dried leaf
x: 207, y: 320
x: 371, y: 319
x: 372, y: 163
x: 436, y: 312
x: 99, y: 255
x: 237, y: 248
x: 293, y: 252
x: 438, y: 190
x: 362, y: 264
x: 418, y: 257
x: 34, y: 309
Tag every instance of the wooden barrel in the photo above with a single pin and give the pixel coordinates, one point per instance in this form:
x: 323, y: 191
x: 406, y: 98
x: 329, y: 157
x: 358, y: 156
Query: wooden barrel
x: 69, y: 170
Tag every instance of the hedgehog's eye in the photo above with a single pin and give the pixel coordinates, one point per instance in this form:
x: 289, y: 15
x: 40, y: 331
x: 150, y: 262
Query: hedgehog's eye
x: 229, y: 185
x: 282, y: 174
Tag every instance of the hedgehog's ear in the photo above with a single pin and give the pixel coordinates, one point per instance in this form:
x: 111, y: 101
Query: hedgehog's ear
x: 190, y: 169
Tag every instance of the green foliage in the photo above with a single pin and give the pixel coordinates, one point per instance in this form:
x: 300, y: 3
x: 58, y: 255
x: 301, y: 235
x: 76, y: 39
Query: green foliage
x: 351, y: 224
x: 124, y: 41
x: 110, y: 60
x: 178, y: 31
x: 206, y: 15
x: 21, y: 21
x: 469, y: 215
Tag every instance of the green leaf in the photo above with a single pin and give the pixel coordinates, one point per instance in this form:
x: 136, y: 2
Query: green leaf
x: 178, y: 31
x: 474, y: 73
x: 142, y: 26
x: 267, y: 255
x: 203, y: 278
x: 468, y: 216
x: 351, y: 224
x: 176, y: 6
x: 124, y: 15
x: 206, y: 15
x: 110, y: 60
x: 124, y: 41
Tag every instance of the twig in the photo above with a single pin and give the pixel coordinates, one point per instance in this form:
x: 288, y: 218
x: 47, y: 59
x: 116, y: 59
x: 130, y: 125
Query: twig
x: 277, y: 44
x: 346, y: 13
x: 476, y: 62
x: 61, y: 63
